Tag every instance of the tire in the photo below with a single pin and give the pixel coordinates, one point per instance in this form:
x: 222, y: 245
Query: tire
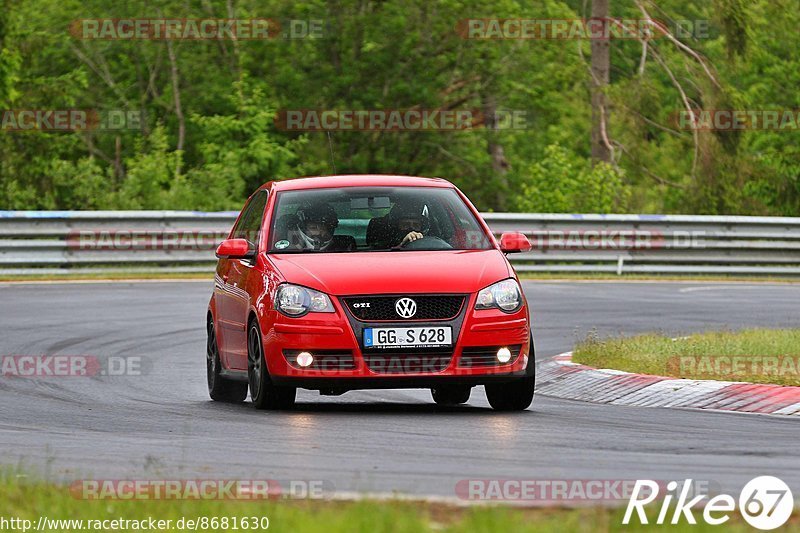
x: 264, y: 393
x: 516, y: 395
x: 219, y: 388
x: 451, y: 394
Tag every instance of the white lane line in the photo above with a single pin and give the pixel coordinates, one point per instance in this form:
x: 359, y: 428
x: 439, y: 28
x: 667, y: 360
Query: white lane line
x: 719, y: 287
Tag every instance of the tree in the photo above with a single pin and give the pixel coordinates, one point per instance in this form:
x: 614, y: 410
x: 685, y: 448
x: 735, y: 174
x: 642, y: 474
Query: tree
x: 600, y: 70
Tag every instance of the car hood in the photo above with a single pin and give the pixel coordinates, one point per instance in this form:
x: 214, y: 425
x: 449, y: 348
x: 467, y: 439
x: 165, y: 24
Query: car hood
x: 448, y: 271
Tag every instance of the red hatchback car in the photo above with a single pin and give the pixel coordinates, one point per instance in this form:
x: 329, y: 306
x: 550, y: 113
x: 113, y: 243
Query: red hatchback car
x: 356, y: 282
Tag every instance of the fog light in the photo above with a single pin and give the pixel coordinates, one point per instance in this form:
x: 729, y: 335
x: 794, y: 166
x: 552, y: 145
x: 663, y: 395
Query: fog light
x: 504, y: 355
x: 305, y: 359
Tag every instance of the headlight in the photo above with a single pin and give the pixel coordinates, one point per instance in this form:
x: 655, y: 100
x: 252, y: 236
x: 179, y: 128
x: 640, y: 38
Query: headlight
x: 294, y: 301
x: 504, y: 295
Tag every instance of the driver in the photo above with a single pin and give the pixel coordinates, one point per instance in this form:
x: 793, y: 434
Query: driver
x: 407, y: 223
x: 316, y: 224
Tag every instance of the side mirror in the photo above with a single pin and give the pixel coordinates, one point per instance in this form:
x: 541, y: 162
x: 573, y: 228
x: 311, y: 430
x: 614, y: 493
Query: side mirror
x: 514, y: 242
x: 235, y: 249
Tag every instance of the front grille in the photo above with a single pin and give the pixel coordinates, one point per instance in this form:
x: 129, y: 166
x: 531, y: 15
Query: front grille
x: 323, y: 359
x: 482, y: 356
x: 382, y: 308
x: 408, y: 363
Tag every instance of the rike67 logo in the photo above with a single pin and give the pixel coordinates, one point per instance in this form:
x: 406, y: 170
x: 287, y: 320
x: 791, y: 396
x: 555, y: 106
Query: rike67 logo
x: 765, y: 503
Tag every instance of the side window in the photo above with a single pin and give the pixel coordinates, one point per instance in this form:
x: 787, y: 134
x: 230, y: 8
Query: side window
x: 249, y: 226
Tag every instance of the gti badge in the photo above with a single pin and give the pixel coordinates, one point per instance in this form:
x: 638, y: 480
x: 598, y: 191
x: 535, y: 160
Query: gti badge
x: 405, y: 307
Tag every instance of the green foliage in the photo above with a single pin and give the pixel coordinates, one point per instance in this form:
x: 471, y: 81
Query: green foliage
x: 81, y: 183
x: 400, y: 54
x: 153, y: 177
x: 562, y: 183
x: 238, y: 151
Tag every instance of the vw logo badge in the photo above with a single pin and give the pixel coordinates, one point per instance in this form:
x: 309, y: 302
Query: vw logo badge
x: 405, y: 307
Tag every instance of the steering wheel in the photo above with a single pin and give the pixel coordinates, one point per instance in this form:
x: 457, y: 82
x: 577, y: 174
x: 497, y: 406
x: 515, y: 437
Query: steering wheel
x: 428, y: 243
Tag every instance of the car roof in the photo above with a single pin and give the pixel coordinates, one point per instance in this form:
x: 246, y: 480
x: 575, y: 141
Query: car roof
x: 356, y: 180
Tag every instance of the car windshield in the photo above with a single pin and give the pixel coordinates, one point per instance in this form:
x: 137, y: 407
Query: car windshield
x: 358, y: 219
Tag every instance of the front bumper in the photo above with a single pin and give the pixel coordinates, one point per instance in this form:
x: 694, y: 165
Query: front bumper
x: 338, y: 334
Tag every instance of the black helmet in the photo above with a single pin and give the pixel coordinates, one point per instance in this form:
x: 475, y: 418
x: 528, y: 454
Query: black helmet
x: 318, y: 212
x: 321, y: 213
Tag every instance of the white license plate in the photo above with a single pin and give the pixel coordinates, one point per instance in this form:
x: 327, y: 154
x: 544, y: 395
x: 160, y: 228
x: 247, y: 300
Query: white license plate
x: 422, y: 337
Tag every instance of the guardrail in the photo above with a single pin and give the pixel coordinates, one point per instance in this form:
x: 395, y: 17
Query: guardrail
x: 62, y: 242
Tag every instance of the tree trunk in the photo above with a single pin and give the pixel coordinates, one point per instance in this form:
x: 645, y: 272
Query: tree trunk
x: 500, y: 164
x: 176, y: 95
x: 601, y: 63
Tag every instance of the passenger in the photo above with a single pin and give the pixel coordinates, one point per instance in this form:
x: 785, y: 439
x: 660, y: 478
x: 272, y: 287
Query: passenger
x: 316, y: 225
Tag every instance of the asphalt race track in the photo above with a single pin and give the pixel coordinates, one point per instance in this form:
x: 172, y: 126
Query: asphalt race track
x: 162, y: 425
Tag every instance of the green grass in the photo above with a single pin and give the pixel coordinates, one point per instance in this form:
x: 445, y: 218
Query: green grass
x: 755, y: 355
x: 20, y: 498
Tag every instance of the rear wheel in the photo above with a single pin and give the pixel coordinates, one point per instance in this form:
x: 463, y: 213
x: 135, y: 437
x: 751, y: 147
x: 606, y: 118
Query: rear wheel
x: 219, y: 388
x: 264, y: 393
x: 451, y: 394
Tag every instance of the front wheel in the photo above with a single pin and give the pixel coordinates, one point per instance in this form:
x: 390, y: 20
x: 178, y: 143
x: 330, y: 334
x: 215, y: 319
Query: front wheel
x: 219, y: 388
x: 514, y: 396
x: 264, y: 393
x: 451, y: 394
x: 517, y: 395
